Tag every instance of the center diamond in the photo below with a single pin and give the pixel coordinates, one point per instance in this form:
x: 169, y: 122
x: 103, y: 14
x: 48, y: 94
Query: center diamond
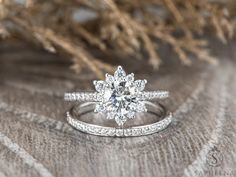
x: 120, y: 99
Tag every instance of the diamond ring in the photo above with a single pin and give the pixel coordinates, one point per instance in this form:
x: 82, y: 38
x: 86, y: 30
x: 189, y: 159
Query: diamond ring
x: 119, y: 98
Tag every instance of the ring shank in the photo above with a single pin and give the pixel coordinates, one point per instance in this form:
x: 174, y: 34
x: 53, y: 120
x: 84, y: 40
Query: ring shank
x: 94, y: 96
x: 121, y: 132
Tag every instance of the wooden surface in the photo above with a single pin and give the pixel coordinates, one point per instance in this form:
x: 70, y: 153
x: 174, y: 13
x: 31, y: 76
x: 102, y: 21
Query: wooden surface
x: 35, y: 139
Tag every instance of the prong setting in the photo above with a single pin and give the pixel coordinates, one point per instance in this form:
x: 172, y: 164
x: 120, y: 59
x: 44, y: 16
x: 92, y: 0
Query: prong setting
x: 119, y: 95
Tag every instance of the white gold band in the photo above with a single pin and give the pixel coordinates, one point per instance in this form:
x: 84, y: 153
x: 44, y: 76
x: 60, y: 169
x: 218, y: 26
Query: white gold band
x: 120, y: 132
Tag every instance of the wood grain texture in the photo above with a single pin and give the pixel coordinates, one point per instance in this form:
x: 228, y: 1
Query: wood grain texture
x: 35, y: 139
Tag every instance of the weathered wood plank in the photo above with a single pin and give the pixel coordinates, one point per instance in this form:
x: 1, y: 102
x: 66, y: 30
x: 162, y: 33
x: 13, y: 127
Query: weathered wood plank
x: 35, y: 139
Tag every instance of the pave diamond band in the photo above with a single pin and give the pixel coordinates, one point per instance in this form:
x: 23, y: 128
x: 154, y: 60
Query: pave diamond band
x: 77, y: 111
x: 94, y: 96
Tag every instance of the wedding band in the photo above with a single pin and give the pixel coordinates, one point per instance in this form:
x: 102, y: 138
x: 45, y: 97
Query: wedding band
x: 76, y: 113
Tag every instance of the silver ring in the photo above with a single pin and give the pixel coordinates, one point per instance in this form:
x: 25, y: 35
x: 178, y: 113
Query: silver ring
x: 77, y: 111
x: 120, y: 98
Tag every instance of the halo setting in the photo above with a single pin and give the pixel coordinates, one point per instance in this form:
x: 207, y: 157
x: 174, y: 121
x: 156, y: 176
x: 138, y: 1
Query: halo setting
x: 120, y: 96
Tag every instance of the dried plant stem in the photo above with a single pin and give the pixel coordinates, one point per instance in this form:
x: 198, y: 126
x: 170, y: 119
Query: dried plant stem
x: 127, y: 27
x: 49, y: 38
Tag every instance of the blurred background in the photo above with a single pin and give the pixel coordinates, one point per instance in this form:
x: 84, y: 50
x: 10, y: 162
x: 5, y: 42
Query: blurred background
x: 49, y: 47
x: 95, y: 34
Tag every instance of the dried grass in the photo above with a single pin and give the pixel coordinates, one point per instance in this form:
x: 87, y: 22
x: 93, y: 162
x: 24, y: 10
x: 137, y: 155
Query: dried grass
x: 126, y: 26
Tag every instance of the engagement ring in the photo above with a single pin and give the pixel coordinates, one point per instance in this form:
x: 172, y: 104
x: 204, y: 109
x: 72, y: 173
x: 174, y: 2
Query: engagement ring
x: 119, y: 98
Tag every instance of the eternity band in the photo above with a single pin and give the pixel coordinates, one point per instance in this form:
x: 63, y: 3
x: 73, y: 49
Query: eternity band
x: 77, y: 111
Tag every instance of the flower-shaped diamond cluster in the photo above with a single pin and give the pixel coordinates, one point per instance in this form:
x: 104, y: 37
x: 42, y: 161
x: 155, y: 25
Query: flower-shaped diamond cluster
x: 119, y: 96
